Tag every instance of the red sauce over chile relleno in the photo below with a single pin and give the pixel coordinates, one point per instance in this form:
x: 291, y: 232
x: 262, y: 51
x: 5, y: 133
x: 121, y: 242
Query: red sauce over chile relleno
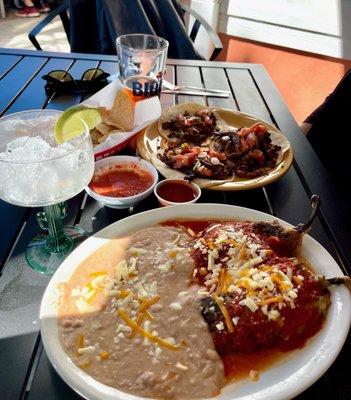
x: 256, y: 303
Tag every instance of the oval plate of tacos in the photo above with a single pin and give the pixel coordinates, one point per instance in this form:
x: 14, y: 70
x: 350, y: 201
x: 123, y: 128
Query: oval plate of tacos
x: 218, y: 149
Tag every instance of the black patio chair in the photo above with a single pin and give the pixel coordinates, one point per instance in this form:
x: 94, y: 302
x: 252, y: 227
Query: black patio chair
x: 199, y: 21
x: 60, y: 11
x: 148, y: 9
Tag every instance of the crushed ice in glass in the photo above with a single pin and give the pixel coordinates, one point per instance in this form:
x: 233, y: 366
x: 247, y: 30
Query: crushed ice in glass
x: 34, y: 170
x: 35, y: 148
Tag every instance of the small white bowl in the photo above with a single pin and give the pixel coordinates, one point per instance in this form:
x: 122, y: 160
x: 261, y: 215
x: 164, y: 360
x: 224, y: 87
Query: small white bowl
x: 123, y: 202
x: 164, y: 202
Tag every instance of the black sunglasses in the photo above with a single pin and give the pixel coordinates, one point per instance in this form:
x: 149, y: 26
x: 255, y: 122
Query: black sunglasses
x: 61, y: 81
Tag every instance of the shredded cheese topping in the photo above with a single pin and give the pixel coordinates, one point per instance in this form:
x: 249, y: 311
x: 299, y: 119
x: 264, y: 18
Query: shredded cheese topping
x: 130, y: 297
x: 79, y: 343
x: 245, y: 270
x: 225, y: 313
x: 97, y: 273
x: 104, y: 355
x: 138, y: 321
x: 148, y: 303
x: 161, y: 342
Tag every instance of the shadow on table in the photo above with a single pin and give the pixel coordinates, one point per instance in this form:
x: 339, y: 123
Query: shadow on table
x: 22, y: 286
x: 102, y: 216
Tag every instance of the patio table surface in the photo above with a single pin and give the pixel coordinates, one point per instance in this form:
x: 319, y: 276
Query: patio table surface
x: 25, y: 371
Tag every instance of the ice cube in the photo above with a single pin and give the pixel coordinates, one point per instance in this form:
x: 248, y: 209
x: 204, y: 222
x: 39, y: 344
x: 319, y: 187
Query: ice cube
x: 54, y: 173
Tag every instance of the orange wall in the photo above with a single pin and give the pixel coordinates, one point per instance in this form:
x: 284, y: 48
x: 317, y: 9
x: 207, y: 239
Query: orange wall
x: 303, y: 79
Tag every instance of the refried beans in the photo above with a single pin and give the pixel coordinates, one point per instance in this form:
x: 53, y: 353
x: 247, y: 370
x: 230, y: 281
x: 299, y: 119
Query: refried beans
x: 141, y: 279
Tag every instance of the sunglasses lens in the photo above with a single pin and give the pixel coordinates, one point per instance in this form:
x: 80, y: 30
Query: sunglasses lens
x: 62, y: 76
x: 91, y: 74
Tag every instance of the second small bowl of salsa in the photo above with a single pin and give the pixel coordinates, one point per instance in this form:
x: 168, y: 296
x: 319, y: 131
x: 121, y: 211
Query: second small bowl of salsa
x: 176, y: 191
x: 122, y: 181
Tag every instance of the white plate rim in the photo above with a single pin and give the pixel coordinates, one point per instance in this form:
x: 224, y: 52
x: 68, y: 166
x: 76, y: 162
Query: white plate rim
x: 335, y: 329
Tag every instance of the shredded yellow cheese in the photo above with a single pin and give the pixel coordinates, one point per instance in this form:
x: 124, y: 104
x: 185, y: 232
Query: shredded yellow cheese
x: 148, y: 315
x: 245, y: 272
x: 123, y: 294
x: 225, y: 313
x: 285, y: 287
x: 161, y: 342
x: 245, y: 284
x: 97, y: 273
x: 172, y: 253
x: 79, y: 342
x: 138, y: 321
x: 104, y: 355
x: 210, y: 245
x: 148, y: 303
x: 233, y: 242
x: 228, y: 280
x: 275, y: 299
x: 276, y: 279
x: 282, y: 285
x: 92, y: 298
x: 222, y: 279
x: 297, y: 280
x: 242, y: 252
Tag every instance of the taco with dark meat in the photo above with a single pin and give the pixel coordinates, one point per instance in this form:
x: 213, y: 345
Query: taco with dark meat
x: 188, y: 122
x: 198, y: 142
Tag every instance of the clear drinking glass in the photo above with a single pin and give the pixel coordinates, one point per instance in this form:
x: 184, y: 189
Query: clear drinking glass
x: 37, y: 172
x: 142, y: 64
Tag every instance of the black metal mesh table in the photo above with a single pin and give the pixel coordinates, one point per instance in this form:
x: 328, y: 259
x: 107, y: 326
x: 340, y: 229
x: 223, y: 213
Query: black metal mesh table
x: 25, y: 372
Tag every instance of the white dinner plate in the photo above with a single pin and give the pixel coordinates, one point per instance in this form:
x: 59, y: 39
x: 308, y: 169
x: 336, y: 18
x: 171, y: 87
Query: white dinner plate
x: 284, y: 380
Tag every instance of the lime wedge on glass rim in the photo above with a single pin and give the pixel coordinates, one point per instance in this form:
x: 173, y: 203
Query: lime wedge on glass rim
x: 70, y: 124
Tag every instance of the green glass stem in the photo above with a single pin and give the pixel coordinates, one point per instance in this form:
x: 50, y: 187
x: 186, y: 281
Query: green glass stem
x: 57, y: 241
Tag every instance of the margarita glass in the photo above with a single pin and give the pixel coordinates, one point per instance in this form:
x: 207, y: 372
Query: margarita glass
x: 37, y: 172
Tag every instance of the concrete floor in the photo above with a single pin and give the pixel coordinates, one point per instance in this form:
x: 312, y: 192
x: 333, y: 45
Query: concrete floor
x: 14, y: 33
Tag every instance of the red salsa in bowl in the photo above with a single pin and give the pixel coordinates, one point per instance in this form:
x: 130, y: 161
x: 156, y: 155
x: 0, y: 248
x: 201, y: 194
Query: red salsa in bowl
x: 121, y: 180
x: 176, y: 191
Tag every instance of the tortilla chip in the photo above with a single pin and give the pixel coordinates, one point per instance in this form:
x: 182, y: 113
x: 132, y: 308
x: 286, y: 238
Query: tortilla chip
x: 101, y: 133
x: 95, y: 136
x: 121, y: 114
x: 102, y: 139
x: 103, y: 112
x: 105, y: 129
x: 106, y: 121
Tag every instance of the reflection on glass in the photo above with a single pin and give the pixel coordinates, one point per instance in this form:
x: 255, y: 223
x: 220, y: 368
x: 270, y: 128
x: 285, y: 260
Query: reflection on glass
x: 142, y: 64
x: 35, y: 171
